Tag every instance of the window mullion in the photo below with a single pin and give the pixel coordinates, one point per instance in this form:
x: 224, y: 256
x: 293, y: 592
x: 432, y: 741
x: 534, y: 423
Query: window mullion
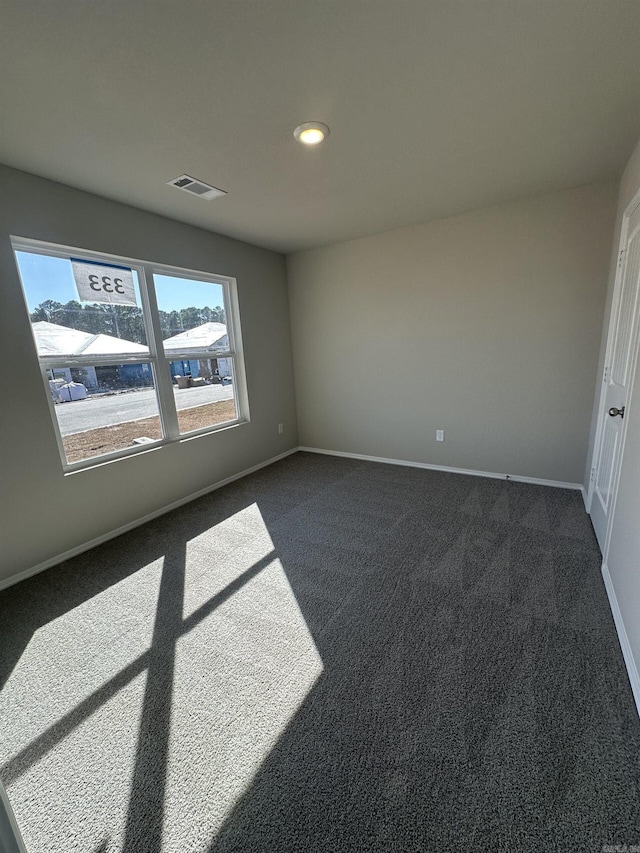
x: 191, y: 355
x: 235, y: 340
x: 50, y: 362
x: 164, y: 385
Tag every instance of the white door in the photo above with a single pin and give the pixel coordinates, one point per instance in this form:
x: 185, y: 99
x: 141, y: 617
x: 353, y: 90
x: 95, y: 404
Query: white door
x: 618, y: 375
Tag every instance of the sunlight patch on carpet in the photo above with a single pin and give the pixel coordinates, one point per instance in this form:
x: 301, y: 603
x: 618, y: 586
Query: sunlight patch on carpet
x: 71, y: 657
x: 241, y: 676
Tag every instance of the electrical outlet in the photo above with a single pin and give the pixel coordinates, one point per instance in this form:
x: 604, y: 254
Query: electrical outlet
x: 280, y: 428
x: 439, y: 435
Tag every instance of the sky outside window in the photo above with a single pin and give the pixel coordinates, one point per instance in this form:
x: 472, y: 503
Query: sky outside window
x: 50, y: 278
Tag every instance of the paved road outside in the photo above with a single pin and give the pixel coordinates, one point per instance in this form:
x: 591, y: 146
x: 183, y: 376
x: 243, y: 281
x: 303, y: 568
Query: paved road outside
x: 95, y: 412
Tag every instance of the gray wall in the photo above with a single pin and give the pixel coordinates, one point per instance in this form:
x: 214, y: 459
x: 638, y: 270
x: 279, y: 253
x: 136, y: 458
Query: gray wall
x: 45, y: 513
x: 486, y: 325
x: 623, y: 558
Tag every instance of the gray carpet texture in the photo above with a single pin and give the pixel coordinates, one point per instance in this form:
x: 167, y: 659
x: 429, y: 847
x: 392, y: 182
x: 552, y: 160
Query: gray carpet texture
x: 327, y: 655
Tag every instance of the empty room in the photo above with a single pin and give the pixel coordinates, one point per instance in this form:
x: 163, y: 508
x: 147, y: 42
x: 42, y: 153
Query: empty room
x: 320, y: 426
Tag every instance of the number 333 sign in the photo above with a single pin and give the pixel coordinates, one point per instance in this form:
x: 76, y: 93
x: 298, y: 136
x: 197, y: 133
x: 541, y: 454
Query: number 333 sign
x: 103, y: 283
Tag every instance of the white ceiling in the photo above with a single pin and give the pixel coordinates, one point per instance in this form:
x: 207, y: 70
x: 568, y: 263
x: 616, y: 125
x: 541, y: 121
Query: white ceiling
x: 435, y: 106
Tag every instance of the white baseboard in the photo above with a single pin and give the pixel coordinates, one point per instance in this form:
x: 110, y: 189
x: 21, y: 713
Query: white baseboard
x: 625, y: 645
x: 515, y: 477
x: 86, y: 546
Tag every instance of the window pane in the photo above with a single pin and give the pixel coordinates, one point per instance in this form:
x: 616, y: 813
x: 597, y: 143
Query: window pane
x: 192, y: 314
x: 104, y: 408
x: 204, y: 392
x: 65, y: 324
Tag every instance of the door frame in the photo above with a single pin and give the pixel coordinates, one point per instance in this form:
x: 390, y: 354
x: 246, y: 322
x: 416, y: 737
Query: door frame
x: 601, y: 414
x: 10, y: 838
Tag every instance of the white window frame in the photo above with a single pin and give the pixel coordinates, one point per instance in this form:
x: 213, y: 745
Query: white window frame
x: 157, y: 358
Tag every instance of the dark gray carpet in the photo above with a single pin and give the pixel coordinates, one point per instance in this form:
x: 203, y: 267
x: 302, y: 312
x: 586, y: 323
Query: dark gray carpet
x: 328, y: 655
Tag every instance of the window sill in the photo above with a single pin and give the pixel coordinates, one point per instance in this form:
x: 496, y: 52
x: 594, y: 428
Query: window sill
x: 141, y: 450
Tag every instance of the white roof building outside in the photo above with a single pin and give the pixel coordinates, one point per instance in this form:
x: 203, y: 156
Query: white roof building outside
x: 53, y: 340
x: 207, y: 338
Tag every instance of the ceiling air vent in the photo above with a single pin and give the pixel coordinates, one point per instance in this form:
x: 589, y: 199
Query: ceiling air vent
x: 199, y: 188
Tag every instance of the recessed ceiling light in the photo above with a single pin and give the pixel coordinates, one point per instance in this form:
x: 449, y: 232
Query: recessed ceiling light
x: 311, y: 132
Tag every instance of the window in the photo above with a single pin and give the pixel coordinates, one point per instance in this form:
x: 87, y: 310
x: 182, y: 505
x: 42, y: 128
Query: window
x: 132, y: 354
x: 198, y: 346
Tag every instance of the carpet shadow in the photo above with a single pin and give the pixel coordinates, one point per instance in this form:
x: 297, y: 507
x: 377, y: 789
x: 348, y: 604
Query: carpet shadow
x: 463, y: 683
x: 43, y: 599
x: 473, y: 694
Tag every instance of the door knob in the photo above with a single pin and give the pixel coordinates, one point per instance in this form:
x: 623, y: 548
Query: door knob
x: 615, y: 412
